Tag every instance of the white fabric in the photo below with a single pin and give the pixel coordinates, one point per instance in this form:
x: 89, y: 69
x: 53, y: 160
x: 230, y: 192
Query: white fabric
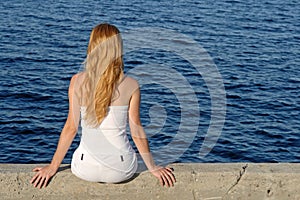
x: 105, y: 153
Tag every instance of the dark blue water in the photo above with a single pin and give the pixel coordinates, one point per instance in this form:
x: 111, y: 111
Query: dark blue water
x: 255, y: 46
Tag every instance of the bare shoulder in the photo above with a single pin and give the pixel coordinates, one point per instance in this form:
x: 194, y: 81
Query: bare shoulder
x: 131, y: 81
x: 76, y: 81
x: 79, y: 75
x: 78, y: 78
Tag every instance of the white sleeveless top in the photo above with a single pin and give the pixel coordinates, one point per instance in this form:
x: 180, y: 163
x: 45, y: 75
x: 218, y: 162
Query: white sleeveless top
x: 110, y: 136
x: 108, y: 143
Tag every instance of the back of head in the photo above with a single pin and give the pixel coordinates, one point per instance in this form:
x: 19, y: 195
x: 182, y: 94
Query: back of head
x: 103, y: 69
x: 100, y: 33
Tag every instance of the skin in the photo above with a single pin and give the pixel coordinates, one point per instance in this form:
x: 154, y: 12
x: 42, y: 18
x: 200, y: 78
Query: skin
x: 44, y: 174
x: 164, y: 174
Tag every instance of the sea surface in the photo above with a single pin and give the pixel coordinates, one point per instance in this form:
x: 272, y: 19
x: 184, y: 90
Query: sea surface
x: 253, y: 46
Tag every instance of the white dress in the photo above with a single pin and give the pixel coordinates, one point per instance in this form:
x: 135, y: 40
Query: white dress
x: 105, y: 153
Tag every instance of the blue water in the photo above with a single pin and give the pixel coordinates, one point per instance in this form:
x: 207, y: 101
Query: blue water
x: 255, y: 46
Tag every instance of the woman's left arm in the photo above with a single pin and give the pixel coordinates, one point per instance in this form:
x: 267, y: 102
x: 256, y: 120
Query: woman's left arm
x: 44, y: 174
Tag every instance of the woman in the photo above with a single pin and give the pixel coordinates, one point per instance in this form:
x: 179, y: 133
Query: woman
x: 105, y: 99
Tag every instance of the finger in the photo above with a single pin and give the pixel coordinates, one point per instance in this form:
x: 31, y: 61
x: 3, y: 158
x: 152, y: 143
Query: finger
x: 37, y: 169
x: 38, y: 179
x: 165, y: 180
x: 33, y: 179
x: 172, y: 176
x: 170, y: 169
x: 41, y: 182
x: 169, y: 181
x: 46, y: 181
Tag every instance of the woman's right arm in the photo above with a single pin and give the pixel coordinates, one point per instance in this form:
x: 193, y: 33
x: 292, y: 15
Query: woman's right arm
x: 43, y: 175
x: 164, y: 174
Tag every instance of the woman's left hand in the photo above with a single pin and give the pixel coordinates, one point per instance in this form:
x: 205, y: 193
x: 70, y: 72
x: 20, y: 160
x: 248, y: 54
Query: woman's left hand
x: 43, y: 175
x: 165, y: 175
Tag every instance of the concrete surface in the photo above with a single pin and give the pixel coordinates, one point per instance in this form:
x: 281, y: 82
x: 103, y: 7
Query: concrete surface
x: 194, y: 181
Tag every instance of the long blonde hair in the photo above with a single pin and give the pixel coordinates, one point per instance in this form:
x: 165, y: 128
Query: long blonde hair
x: 103, y: 69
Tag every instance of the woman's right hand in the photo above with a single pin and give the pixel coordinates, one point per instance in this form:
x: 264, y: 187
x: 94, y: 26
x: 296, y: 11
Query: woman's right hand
x: 165, y: 175
x: 43, y: 175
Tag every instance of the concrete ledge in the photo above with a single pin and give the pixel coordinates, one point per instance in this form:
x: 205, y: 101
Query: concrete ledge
x: 194, y: 181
